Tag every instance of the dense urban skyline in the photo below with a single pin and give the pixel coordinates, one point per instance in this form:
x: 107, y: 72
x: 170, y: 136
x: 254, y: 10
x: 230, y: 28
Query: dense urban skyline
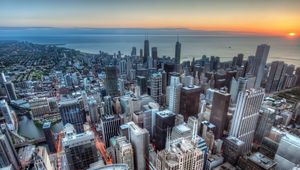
x: 264, y: 17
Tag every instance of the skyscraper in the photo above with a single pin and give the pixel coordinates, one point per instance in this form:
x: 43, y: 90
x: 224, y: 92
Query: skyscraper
x: 8, y: 154
x: 80, y: 150
x: 10, y: 91
x: 189, y: 101
x: 71, y: 113
x: 164, y: 120
x: 236, y: 87
x: 110, y: 127
x: 246, y: 116
x: 261, y: 57
x: 49, y: 136
x: 146, y: 50
x: 7, y: 114
x: 93, y: 110
x: 232, y: 149
x: 111, y: 80
x: 139, y: 139
x: 124, y: 151
x: 108, y: 105
x: 142, y: 83
x: 219, y: 111
x: 177, y: 52
x: 180, y: 154
x: 156, y: 87
x: 2, y: 78
x: 174, y: 94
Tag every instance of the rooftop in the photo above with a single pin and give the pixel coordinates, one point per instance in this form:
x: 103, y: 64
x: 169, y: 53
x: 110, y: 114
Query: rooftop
x: 262, y: 161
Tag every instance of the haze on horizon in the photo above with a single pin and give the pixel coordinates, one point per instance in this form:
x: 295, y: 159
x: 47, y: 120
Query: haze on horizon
x: 276, y: 17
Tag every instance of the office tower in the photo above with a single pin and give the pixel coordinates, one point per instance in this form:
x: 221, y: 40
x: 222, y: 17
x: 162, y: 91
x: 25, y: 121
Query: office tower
x: 174, y: 94
x: 71, y: 113
x: 264, y: 124
x: 142, y: 83
x: 110, y: 127
x: 93, y: 110
x: 8, y: 154
x: 149, y: 117
x: 261, y: 57
x: 146, y: 50
x: 246, y: 116
x: 282, y: 79
x: 219, y: 111
x: 139, y: 139
x: 189, y: 101
x: 111, y: 80
x: 277, y: 68
x: 240, y: 59
x: 177, y: 52
x: 156, y: 87
x: 154, y: 56
x: 232, y: 149
x: 108, y: 105
x: 80, y: 150
x: 49, y: 136
x: 10, y: 91
x: 124, y: 151
x: 7, y: 114
x: 180, y: 154
x: 39, y: 106
x: 122, y: 66
x: 288, y: 152
x: 133, y: 51
x: 2, y: 78
x: 236, y: 87
x: 164, y: 120
x: 154, y: 53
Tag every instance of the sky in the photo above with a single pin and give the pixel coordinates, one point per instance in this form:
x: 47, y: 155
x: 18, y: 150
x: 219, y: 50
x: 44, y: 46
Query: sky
x: 278, y: 17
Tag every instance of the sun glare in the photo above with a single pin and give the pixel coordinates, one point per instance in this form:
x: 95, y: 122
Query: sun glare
x: 292, y: 34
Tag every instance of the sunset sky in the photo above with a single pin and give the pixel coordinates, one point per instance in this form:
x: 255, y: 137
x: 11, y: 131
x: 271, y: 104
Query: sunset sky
x: 279, y: 17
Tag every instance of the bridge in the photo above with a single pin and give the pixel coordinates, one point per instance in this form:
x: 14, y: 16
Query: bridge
x: 32, y: 142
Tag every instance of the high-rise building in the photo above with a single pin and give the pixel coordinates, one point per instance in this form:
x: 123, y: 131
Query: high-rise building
x: 156, y: 87
x: 142, y: 83
x: 8, y: 154
x: 108, y: 105
x: 154, y: 56
x: 39, y: 106
x: 133, y: 51
x: 232, y: 149
x: 7, y: 114
x: 180, y: 154
x: 80, y: 150
x: 288, y: 152
x: 2, y: 78
x: 189, y: 101
x: 71, y: 113
x: 236, y: 87
x: 164, y: 120
x: 261, y: 57
x: 240, y: 59
x: 49, y: 136
x: 93, y: 110
x: 277, y: 68
x: 10, y: 91
x: 219, y: 111
x: 140, y: 140
x: 124, y: 151
x: 174, y: 94
x: 146, y: 50
x: 111, y: 80
x: 246, y: 116
x: 110, y: 127
x: 264, y: 124
x: 177, y: 52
